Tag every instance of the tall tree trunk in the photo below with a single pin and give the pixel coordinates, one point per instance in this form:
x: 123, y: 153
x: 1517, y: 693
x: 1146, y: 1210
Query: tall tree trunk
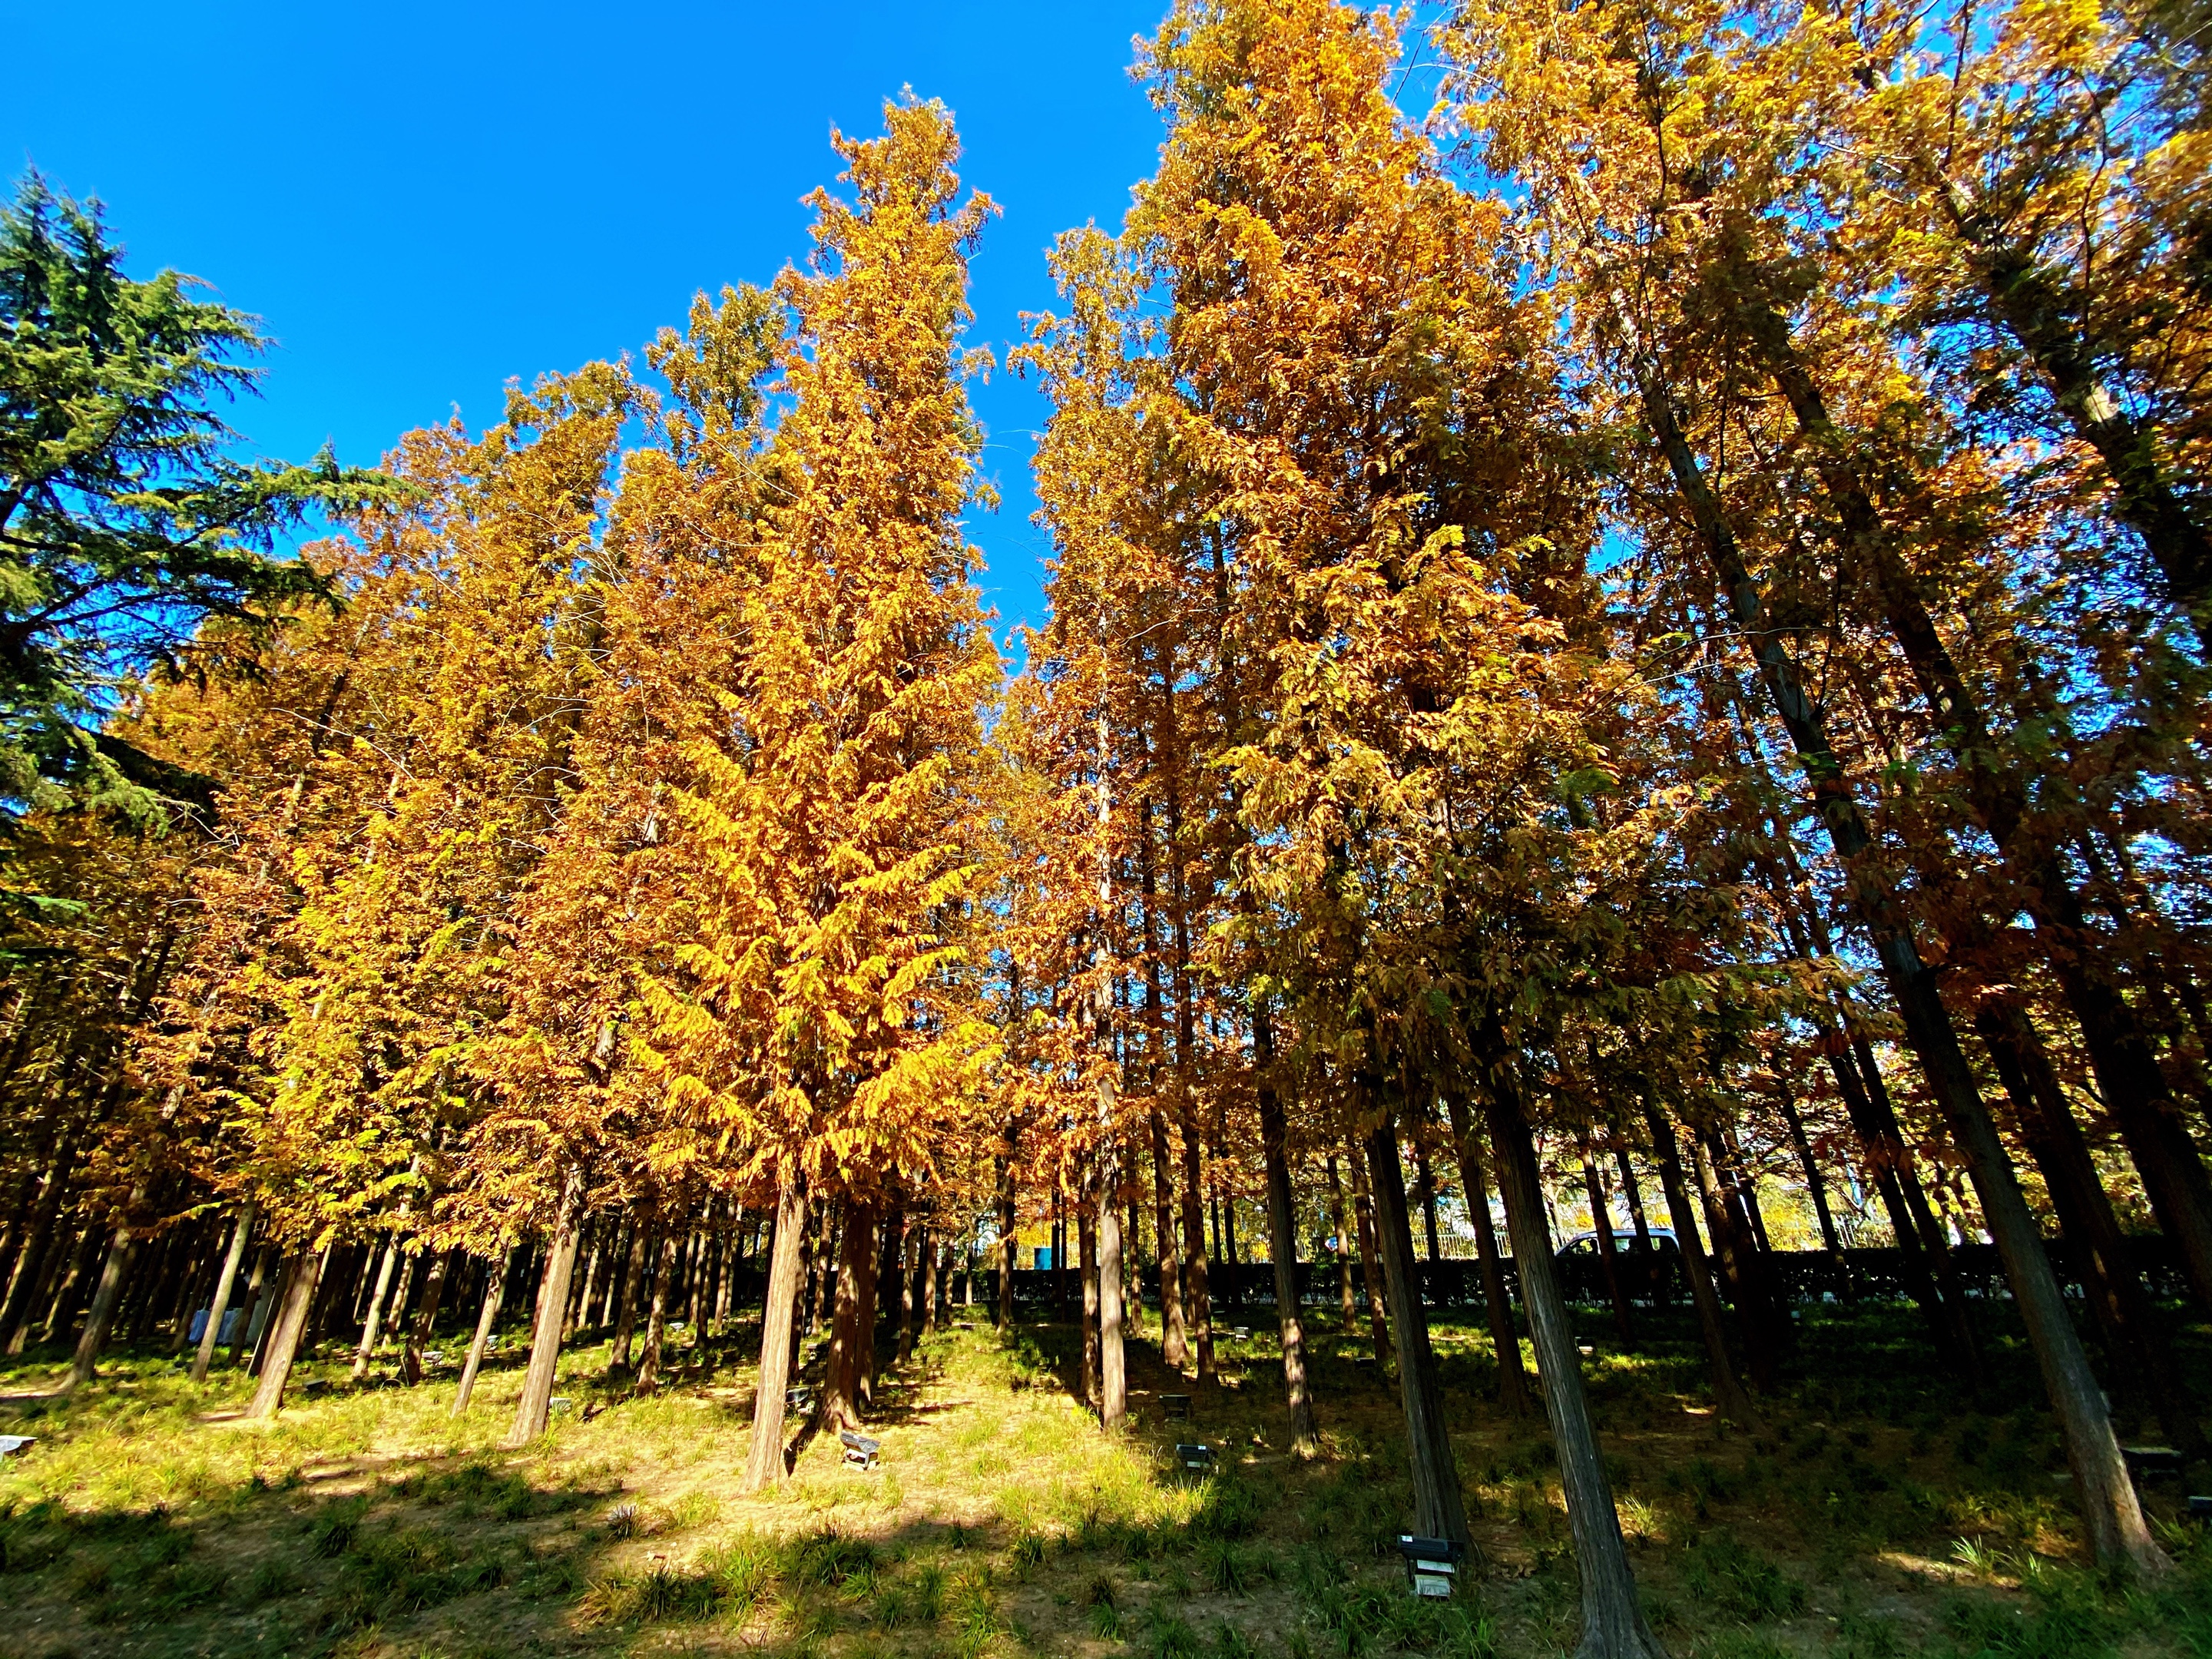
x: 842, y: 1389
x: 1608, y: 1257
x: 372, y: 1328
x: 2116, y: 1296
x: 1732, y: 1245
x: 644, y: 1242
x: 1512, y: 1377
x: 1439, y: 1510
x: 1174, y: 1336
x: 220, y: 1304
x: 1086, y: 1229
x: 1283, y: 1243
x: 434, y: 1292
x: 870, y: 1278
x: 1613, y: 1625
x: 1666, y: 1151
x: 778, y: 1314
x: 1344, y: 1247
x: 1009, y: 1247
x: 1816, y: 1186
x: 486, y: 1316
x: 302, y: 1278
x: 256, y: 1287
x: 1199, y: 1312
x: 656, y: 1318
x: 1112, y: 1366
x: 1647, y: 1264
x: 84, y: 1365
x: 2107, y: 1498
x: 903, y: 1259
x: 1371, y: 1261
x: 531, y: 1410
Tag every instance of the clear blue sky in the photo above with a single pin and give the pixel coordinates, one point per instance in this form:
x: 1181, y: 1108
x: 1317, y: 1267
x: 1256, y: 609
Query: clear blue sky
x: 423, y: 201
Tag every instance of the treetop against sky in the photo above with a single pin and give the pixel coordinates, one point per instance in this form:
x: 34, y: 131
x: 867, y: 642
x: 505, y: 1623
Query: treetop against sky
x: 424, y: 202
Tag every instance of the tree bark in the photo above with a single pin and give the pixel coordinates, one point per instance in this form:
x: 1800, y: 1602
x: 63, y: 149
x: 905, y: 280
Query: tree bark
x: 1344, y: 1247
x: 220, y: 1304
x: 1086, y: 1231
x: 1112, y: 1366
x: 842, y: 1391
x: 1816, y: 1186
x: 1199, y: 1313
x: 418, y: 1332
x: 486, y: 1316
x: 530, y: 1411
x: 644, y: 1241
x: 1175, y: 1335
x: 1283, y: 1245
x: 1439, y: 1510
x: 1009, y: 1247
x: 778, y: 1314
x: 1608, y: 1257
x: 1512, y: 1379
x: 301, y: 1279
x: 1371, y: 1261
x: 372, y: 1328
x: 1613, y: 1625
x: 84, y: 1365
x: 1727, y: 1392
x: 656, y: 1317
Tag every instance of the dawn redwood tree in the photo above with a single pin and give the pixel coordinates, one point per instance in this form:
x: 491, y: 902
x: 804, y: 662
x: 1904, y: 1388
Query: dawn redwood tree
x: 823, y: 1015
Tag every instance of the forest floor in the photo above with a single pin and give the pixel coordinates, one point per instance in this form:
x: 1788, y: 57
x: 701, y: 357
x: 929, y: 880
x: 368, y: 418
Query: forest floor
x: 1878, y: 1510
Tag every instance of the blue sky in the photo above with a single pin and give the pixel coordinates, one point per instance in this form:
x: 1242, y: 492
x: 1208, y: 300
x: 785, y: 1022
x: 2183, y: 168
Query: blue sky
x: 423, y: 201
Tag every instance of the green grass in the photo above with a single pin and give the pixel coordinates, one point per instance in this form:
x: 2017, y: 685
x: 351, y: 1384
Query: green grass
x: 1870, y: 1517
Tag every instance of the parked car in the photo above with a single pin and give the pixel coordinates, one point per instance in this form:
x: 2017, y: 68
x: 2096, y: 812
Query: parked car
x: 1582, y: 1270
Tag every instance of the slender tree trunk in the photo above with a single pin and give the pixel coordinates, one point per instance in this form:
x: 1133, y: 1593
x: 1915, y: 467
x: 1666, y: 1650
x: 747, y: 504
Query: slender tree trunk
x: 840, y: 1395
x: 1370, y: 1261
x: 1512, y: 1379
x: 1608, y: 1257
x: 434, y: 1292
x: 373, y: 1329
x: 1439, y: 1510
x: 2116, y: 1296
x: 903, y: 1259
x: 531, y: 1410
x: 656, y: 1318
x: 1086, y: 1228
x: 1613, y: 1625
x: 1009, y: 1247
x: 1337, y: 1215
x: 1727, y: 1392
x: 1283, y: 1244
x: 1113, y: 1369
x: 84, y: 1365
x: 1816, y: 1186
x: 644, y: 1242
x: 1175, y: 1335
x: 302, y: 1280
x: 486, y: 1316
x: 871, y: 1259
x: 1199, y: 1314
x: 778, y: 1314
x: 1731, y: 1244
x: 1647, y: 1263
x: 256, y: 1288
x: 220, y: 1304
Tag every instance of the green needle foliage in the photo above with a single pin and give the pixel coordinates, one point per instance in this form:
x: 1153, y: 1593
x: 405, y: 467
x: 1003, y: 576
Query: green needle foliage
x: 124, y: 521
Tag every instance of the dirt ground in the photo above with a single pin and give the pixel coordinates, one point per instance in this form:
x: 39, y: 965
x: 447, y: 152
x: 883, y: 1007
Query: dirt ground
x: 1879, y: 1509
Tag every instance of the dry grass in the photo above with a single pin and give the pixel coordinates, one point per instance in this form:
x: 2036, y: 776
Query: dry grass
x: 1867, y: 1518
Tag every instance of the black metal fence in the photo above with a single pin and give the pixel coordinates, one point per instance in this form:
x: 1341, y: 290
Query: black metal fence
x: 1806, y: 1275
